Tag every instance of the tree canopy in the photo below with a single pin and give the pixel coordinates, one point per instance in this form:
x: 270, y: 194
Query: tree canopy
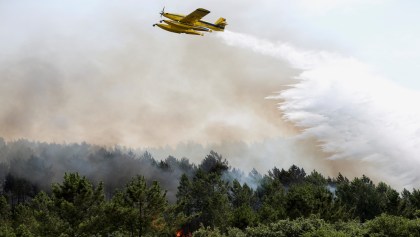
x: 210, y: 199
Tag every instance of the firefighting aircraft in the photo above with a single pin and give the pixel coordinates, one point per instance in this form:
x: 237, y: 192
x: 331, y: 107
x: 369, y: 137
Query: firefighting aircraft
x: 191, y: 23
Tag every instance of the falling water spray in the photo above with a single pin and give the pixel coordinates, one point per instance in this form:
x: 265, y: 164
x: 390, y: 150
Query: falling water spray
x: 353, y: 112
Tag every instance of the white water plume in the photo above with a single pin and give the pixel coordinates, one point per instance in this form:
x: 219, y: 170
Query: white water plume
x: 302, y: 59
x: 353, y: 111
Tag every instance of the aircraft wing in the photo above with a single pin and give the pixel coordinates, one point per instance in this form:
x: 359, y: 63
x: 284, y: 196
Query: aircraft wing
x: 195, y: 16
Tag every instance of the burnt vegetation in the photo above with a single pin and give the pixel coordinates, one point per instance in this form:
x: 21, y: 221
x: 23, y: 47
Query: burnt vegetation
x: 86, y: 190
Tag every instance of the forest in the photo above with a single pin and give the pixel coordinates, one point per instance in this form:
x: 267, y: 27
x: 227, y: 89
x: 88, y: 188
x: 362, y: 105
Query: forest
x: 87, y: 190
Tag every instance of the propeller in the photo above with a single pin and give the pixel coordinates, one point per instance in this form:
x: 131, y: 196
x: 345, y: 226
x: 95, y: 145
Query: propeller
x: 162, y: 12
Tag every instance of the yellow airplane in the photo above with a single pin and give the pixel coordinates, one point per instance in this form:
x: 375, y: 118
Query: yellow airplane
x: 190, y: 24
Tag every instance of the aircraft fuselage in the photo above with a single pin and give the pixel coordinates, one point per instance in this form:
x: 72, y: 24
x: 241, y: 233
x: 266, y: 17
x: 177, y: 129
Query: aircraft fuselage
x: 186, y: 26
x: 177, y: 17
x: 176, y: 29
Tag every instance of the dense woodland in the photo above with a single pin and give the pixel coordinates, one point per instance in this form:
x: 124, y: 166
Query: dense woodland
x: 85, y: 190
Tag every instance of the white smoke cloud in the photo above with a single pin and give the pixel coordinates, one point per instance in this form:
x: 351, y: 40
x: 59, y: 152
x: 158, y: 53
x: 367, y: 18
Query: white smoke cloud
x: 354, y: 112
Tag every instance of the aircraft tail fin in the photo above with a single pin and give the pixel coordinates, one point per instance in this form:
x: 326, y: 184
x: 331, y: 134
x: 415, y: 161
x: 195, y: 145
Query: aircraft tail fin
x: 221, y: 22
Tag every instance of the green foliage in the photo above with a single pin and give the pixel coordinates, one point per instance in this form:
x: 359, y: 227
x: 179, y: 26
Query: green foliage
x: 316, y: 178
x: 211, y: 202
x: 210, y: 232
x: 325, y: 232
x: 388, y: 199
x: 273, y: 200
x: 6, y: 231
x: 300, y: 201
x: 48, y: 220
x: 184, y: 196
x: 25, y: 223
x: 409, y: 205
x: 207, y: 232
x: 174, y: 220
x: 5, y: 211
x: 395, y: 226
x: 240, y: 195
x: 287, y: 228
x: 360, y: 197
x: 243, y: 217
x: 79, y: 204
x: 23, y: 231
x: 351, y: 228
x: 142, y: 207
x: 214, y: 163
x: 292, y: 176
x: 205, y: 198
x: 241, y: 198
x: 235, y: 232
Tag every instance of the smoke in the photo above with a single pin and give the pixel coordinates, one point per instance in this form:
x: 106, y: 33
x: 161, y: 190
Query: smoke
x: 44, y: 164
x: 100, y: 73
x: 348, y: 108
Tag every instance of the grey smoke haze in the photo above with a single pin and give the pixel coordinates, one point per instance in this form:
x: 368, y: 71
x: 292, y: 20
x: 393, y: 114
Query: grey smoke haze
x: 98, y: 72
x: 44, y: 164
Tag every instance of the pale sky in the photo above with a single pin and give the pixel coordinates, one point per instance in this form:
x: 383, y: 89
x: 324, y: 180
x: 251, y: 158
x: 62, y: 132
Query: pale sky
x: 381, y: 33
